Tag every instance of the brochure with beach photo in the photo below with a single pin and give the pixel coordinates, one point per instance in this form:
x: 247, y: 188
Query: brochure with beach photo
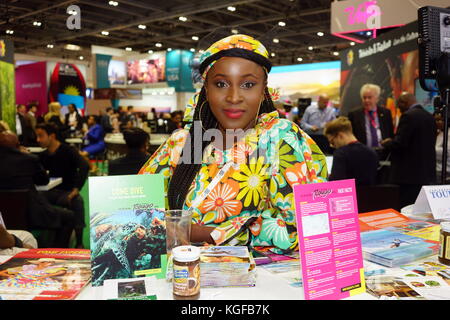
x: 392, y: 249
x: 127, y: 227
x: 45, y: 274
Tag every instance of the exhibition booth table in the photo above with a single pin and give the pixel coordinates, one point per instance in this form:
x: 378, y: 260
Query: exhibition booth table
x: 115, y: 144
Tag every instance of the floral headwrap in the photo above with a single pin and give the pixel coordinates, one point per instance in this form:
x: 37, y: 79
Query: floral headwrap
x: 234, y: 45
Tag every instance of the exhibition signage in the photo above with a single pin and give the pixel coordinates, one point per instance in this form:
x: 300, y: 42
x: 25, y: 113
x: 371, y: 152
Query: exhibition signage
x: 67, y: 80
x: 178, y: 70
x: 31, y: 85
x: 102, y: 65
x: 352, y: 16
x: 434, y: 199
x: 329, y: 240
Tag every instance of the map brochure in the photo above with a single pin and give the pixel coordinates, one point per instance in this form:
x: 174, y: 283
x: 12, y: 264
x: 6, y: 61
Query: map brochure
x: 329, y: 240
x: 127, y: 228
x: 390, y: 219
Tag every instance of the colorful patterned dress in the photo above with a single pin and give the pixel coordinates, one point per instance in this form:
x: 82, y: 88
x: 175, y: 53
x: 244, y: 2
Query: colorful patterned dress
x: 253, y: 204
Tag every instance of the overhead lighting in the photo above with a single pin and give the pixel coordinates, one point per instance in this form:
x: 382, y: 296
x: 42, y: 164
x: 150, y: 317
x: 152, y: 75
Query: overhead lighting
x: 234, y: 31
x: 300, y: 59
x: 128, y: 49
x: 37, y: 23
x: 192, y: 49
x: 105, y: 33
x: 73, y: 12
x: 150, y: 51
x: 81, y: 57
x: 320, y: 34
x: 272, y: 54
x: 276, y: 40
x: 195, y: 38
x: 369, y: 33
x: 352, y: 43
x: 142, y: 26
x: 169, y: 49
x: 9, y: 31
x: 159, y: 45
x: 50, y: 46
x: 113, y: 3
x: 184, y: 19
x: 72, y: 47
x: 231, y: 8
x: 282, y: 24
x: 335, y: 53
x: 310, y: 48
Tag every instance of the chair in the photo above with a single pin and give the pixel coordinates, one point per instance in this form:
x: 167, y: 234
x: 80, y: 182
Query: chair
x: 13, y: 207
x: 378, y: 197
x: 101, y: 157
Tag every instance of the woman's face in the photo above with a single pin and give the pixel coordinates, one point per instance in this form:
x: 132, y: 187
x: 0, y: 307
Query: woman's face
x: 235, y: 90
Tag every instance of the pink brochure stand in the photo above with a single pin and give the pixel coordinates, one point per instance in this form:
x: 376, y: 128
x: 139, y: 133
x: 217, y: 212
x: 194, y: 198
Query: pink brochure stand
x: 329, y: 240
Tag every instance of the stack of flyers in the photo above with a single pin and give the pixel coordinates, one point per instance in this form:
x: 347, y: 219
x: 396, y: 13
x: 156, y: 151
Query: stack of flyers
x: 431, y: 288
x: 226, y: 266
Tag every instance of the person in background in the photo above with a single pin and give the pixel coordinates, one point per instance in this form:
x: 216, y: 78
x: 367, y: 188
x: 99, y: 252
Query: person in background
x: 413, y: 153
x: 175, y: 122
x: 439, y: 149
x: 106, y: 120
x: 351, y: 159
x: 32, y: 116
x: 371, y: 123
x: 15, y: 241
x: 62, y: 160
x: 55, y: 117
x: 20, y: 170
x: 314, y: 120
x: 137, y: 141
x: 24, y: 127
x: 94, y: 139
x: 73, y: 119
x: 131, y: 116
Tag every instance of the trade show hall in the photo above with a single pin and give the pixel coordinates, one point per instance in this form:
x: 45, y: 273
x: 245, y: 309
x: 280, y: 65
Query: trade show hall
x: 246, y: 151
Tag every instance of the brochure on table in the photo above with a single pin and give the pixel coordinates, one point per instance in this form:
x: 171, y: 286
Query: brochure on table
x: 329, y: 238
x: 127, y: 229
x: 434, y: 199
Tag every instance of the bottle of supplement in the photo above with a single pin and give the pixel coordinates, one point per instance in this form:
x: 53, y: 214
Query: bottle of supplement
x: 186, y: 272
x: 444, y: 250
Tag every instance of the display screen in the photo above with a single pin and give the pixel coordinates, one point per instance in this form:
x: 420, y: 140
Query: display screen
x: 150, y: 70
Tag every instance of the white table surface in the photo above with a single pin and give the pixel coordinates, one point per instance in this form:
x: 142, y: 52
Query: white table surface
x: 52, y: 183
x: 36, y: 149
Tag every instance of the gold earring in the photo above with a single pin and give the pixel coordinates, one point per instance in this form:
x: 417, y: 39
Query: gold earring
x: 200, y: 114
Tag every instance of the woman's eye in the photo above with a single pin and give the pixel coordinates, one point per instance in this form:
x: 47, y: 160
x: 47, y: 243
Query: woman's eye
x: 248, y: 85
x: 221, y: 84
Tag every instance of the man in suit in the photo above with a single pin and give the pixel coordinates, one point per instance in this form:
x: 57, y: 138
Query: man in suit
x: 20, y: 171
x: 413, y: 157
x: 137, y: 142
x: 371, y: 124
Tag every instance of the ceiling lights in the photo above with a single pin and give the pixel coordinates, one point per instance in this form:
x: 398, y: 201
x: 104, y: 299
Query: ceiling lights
x: 150, y: 51
x: 320, y: 34
x: 113, y: 3
x: 231, y: 8
x: 81, y: 57
x: 105, y: 33
x: 195, y: 38
x: 234, y: 31
x: 282, y: 24
x: 310, y: 48
x: 9, y: 31
x: 50, y: 46
x: 72, y: 47
x: 158, y: 44
x: 299, y: 59
x: 275, y: 40
x: 37, y: 23
x: 192, y: 50
x: 142, y: 26
x: 352, y: 43
x: 184, y: 19
x: 128, y: 49
x: 169, y: 49
x: 335, y: 53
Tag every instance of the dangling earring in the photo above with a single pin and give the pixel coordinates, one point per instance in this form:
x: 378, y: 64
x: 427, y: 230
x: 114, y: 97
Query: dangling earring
x: 200, y: 114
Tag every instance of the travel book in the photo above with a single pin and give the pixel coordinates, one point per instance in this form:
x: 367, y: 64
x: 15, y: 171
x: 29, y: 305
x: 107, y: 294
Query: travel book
x: 127, y: 228
x: 392, y: 249
x: 45, y: 274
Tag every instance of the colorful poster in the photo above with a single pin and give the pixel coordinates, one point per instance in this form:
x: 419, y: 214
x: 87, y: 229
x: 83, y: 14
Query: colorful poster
x: 127, y: 228
x: 67, y: 79
x: 7, y: 96
x: 150, y: 70
x: 117, y: 72
x: 329, y: 238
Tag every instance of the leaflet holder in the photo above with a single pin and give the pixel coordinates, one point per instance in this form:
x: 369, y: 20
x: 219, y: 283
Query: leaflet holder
x: 434, y: 63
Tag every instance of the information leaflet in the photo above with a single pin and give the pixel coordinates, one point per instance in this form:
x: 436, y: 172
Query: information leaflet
x: 329, y: 240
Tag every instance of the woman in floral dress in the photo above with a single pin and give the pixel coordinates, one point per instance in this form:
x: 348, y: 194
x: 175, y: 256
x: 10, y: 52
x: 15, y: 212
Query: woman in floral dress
x: 236, y: 161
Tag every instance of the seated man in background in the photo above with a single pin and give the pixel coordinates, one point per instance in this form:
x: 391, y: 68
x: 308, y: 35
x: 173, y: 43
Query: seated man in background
x: 137, y: 143
x: 62, y: 160
x: 22, y: 171
x: 94, y: 140
x: 351, y: 159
